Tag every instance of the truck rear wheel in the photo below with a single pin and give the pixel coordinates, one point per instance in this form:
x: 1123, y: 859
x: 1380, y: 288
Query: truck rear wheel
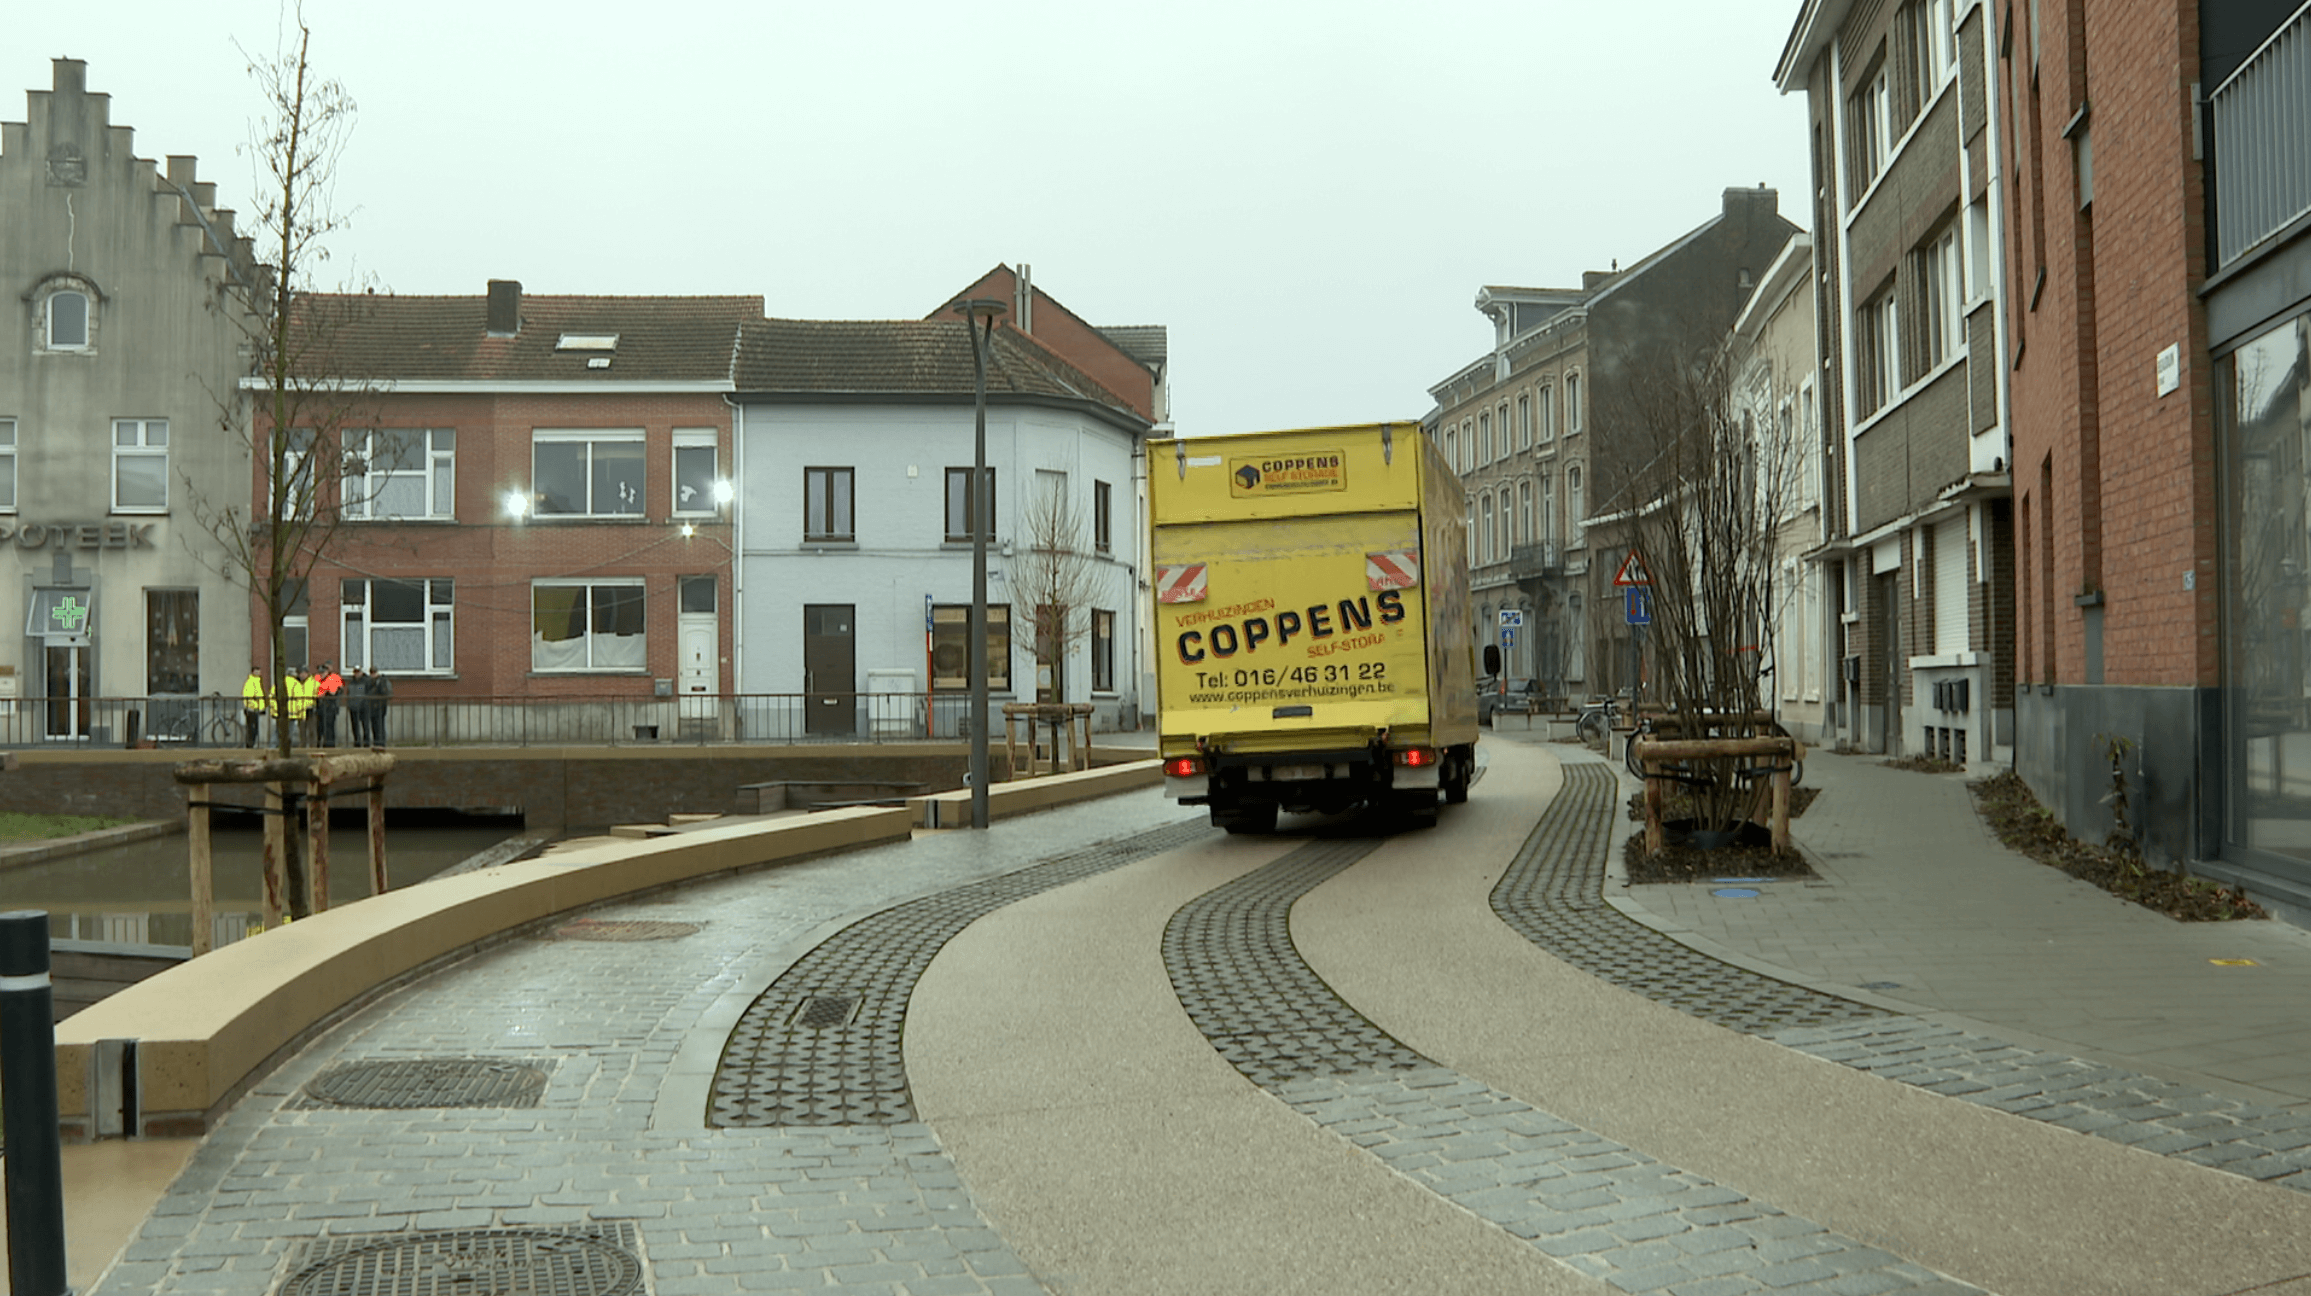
x: 1456, y: 778
x: 1246, y: 817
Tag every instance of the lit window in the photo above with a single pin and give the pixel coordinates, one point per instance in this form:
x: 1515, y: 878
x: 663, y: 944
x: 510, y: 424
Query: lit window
x: 695, y: 472
x: 399, y: 626
x: 140, y: 465
x: 587, y: 626
x: 397, y: 473
x: 595, y: 472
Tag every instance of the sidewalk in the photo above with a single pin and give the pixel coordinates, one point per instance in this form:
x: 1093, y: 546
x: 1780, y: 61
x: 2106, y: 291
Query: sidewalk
x: 1918, y: 908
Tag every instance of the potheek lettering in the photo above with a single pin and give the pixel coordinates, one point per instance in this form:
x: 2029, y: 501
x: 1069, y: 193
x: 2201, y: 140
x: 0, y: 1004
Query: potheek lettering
x: 78, y: 535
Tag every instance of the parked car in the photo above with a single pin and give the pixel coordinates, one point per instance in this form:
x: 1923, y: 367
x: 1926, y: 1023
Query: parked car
x: 1490, y: 697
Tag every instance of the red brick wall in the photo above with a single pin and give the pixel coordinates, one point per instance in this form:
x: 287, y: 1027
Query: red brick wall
x: 2131, y: 504
x: 493, y: 559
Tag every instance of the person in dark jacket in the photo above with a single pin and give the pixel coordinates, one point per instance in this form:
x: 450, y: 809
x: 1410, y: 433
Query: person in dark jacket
x: 357, y: 705
x: 380, y: 697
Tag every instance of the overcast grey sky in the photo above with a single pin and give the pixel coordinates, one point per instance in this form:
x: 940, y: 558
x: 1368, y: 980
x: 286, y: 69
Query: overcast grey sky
x: 1308, y: 195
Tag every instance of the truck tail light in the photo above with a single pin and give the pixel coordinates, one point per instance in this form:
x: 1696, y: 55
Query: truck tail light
x: 1183, y: 767
x: 1416, y: 756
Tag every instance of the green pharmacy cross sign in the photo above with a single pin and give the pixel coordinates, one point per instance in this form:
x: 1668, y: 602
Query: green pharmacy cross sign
x: 69, y: 615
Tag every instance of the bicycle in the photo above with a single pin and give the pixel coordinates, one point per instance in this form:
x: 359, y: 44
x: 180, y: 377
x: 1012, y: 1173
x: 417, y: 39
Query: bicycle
x: 1594, y: 727
x: 204, y: 722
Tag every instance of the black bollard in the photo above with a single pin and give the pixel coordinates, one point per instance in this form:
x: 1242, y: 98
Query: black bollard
x: 35, y: 1160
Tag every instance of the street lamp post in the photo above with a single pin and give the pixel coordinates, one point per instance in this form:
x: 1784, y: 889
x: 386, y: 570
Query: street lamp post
x: 974, y: 311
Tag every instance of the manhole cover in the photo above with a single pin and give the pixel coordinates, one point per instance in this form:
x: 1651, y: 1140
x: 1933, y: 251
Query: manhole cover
x: 429, y: 1082
x: 594, y: 929
x: 475, y: 1262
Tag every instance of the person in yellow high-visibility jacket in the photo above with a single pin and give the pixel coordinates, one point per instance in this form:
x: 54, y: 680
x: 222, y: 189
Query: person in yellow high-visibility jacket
x: 253, y: 705
x: 300, y: 695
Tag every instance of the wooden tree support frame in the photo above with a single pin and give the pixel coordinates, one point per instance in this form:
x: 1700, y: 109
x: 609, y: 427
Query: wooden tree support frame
x: 1789, y: 751
x: 320, y: 776
x: 1058, y: 715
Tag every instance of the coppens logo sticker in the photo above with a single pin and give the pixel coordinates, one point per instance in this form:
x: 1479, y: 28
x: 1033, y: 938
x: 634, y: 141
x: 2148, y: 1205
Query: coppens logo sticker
x: 1321, y: 470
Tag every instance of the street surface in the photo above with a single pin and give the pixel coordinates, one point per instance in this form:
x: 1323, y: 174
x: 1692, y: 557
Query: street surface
x: 1107, y: 1049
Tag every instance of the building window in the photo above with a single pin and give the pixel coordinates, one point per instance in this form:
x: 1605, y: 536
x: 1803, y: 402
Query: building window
x: 698, y: 485
x: 1501, y: 420
x: 7, y: 465
x: 1945, y: 282
x: 1525, y: 422
x: 1574, y: 517
x: 587, y: 626
x: 1467, y: 446
x: 1548, y: 415
x: 1933, y: 47
x: 140, y: 465
x: 296, y: 622
x: 1869, y: 133
x: 827, y: 496
x: 172, y: 641
x: 1102, y: 517
x: 593, y: 472
x: 1452, y: 448
x: 1877, y: 375
x: 1484, y: 439
x: 959, y: 505
x: 1525, y: 511
x: 1485, y: 528
x: 1102, y: 651
x: 951, y: 646
x: 1572, y: 404
x: 401, y: 473
x: 1548, y: 507
x: 400, y: 626
x: 67, y: 321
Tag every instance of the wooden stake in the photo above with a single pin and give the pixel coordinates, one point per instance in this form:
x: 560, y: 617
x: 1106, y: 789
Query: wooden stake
x: 377, y: 836
x: 204, y: 887
x: 317, y: 857
x: 276, y: 842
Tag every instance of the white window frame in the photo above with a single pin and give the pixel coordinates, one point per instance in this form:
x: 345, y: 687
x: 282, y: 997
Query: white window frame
x: 688, y: 443
x: 8, y: 465
x: 1525, y: 509
x: 1525, y: 421
x: 594, y: 663
x: 1574, y: 506
x: 358, y: 624
x: 1484, y: 438
x: 1547, y: 406
x: 1878, y: 355
x: 1573, y: 403
x: 1485, y: 526
x: 437, y: 473
x: 1452, y: 448
x: 147, y: 445
x: 589, y: 438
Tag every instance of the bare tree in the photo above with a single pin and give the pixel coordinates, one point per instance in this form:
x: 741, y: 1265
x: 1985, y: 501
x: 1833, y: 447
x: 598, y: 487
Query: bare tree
x: 1701, y: 492
x: 303, y: 411
x: 1058, y: 578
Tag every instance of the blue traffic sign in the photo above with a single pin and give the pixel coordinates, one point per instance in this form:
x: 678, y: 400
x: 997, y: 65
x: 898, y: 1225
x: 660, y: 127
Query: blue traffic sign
x: 1508, y: 638
x: 1638, y: 601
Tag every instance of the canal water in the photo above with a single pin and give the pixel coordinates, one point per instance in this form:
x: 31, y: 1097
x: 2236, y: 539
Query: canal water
x: 140, y: 893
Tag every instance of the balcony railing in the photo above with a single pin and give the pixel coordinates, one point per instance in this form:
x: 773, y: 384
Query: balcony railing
x: 2263, y: 142
x: 216, y: 722
x: 1539, y: 558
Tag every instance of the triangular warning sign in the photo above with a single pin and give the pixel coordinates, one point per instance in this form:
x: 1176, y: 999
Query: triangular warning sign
x: 1632, y: 572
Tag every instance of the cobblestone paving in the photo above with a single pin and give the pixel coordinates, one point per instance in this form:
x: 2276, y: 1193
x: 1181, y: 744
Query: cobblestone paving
x: 1551, y: 895
x: 860, y: 1209
x: 821, y: 1046
x: 1594, y: 1204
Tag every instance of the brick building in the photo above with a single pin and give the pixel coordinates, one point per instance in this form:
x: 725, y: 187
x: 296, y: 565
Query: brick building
x: 543, y: 511
x: 1907, y: 225
x: 2159, y: 257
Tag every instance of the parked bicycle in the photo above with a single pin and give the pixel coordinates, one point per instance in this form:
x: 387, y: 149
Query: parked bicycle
x: 1598, y: 718
x: 203, y: 722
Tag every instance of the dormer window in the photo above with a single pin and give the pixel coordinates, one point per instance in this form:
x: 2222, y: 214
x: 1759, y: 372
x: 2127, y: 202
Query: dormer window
x: 602, y: 343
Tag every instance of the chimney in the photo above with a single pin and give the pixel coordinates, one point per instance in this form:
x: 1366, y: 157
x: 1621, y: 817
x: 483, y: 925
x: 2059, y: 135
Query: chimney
x: 1023, y: 299
x: 505, y: 307
x: 71, y: 76
x: 1761, y: 200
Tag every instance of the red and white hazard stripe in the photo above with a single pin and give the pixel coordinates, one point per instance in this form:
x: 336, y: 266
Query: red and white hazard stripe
x: 1184, y: 584
x: 1396, y: 569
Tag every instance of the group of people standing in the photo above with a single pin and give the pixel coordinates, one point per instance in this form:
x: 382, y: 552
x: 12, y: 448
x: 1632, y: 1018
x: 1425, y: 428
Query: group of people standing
x: 310, y: 701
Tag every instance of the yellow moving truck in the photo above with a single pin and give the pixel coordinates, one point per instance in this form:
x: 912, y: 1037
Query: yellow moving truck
x: 1313, y: 640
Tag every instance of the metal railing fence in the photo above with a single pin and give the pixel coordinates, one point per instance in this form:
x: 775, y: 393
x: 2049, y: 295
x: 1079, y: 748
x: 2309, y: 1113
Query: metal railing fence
x: 215, y: 721
x: 2263, y: 142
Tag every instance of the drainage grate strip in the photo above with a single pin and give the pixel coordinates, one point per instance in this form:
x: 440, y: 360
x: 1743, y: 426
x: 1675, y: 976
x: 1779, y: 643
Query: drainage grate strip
x: 409, y: 1083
